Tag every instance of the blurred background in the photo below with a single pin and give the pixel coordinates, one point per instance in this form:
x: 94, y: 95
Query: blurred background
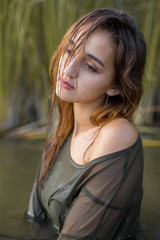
x: 30, y: 31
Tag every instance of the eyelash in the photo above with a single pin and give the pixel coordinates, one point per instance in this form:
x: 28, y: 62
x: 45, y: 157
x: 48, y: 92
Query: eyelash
x: 90, y: 67
x: 86, y: 64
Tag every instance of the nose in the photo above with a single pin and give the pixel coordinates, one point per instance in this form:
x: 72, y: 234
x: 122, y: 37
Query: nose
x: 71, y: 70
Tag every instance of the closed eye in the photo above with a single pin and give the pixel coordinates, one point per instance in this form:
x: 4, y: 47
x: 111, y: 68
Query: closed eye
x: 90, y: 67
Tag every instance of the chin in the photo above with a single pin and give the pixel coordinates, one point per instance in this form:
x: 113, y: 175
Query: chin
x: 63, y: 97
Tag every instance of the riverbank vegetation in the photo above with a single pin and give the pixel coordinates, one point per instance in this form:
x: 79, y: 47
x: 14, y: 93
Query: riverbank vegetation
x: 30, y: 31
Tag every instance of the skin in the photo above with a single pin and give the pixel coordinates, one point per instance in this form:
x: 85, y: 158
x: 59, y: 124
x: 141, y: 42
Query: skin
x: 90, y: 81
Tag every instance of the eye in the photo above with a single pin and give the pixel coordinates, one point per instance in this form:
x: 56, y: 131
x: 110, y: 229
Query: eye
x: 68, y: 51
x: 90, y: 67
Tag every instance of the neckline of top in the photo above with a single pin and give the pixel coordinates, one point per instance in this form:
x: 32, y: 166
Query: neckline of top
x: 104, y: 157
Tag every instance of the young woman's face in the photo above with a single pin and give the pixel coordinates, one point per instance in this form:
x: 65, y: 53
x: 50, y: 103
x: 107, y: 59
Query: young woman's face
x: 89, y: 75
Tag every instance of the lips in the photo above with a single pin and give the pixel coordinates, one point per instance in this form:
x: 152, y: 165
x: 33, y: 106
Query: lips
x: 65, y: 84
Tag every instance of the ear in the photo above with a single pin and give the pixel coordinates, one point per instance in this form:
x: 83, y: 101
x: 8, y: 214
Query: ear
x: 113, y: 91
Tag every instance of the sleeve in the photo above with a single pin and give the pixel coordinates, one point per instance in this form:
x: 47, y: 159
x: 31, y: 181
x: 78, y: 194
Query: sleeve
x: 35, y: 209
x: 107, y: 206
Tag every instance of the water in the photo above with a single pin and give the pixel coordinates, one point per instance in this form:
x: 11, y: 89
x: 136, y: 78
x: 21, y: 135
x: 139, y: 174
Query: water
x: 150, y: 214
x: 19, y: 160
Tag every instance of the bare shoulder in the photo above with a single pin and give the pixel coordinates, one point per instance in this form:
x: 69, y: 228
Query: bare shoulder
x: 116, y: 135
x: 120, y: 130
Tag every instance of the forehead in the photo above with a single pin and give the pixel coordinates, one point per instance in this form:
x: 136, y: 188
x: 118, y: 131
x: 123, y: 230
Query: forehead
x: 100, y: 34
x: 101, y: 44
x: 79, y: 37
x: 98, y: 43
x: 101, y: 41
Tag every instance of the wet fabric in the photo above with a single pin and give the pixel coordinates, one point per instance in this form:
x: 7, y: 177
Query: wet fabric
x: 98, y: 200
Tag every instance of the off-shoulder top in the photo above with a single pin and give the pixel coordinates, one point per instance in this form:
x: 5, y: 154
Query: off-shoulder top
x: 97, y: 201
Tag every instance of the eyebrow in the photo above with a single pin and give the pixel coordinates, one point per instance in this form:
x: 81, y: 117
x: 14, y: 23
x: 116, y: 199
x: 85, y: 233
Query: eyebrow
x: 89, y: 55
x: 95, y: 59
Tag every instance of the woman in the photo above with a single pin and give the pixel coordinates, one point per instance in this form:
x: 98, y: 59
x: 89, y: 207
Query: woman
x: 90, y: 180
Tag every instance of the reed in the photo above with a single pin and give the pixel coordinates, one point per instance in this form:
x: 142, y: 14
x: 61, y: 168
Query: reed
x: 13, y: 29
x: 152, y: 35
x: 30, y: 31
x: 149, y: 113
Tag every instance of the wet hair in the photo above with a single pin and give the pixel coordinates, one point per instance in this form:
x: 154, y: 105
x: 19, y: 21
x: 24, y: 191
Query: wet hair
x: 130, y: 56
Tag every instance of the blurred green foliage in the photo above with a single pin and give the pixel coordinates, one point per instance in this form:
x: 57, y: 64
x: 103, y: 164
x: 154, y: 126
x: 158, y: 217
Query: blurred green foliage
x: 30, y: 31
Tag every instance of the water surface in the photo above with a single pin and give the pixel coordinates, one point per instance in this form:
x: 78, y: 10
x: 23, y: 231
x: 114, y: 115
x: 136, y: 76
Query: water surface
x: 18, y: 165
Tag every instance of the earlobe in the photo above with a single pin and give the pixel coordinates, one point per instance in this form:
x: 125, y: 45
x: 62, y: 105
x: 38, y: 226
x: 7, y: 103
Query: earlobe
x: 113, y: 91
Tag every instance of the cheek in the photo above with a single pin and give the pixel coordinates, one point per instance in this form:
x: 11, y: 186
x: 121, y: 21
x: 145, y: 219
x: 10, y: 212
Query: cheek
x: 57, y: 88
x: 94, y: 84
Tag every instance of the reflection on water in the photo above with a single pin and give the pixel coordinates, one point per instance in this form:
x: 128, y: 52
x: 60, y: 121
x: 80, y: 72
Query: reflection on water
x: 19, y: 160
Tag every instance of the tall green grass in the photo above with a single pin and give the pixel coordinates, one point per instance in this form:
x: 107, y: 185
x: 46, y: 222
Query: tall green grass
x: 14, y: 20
x: 30, y: 31
x: 152, y: 36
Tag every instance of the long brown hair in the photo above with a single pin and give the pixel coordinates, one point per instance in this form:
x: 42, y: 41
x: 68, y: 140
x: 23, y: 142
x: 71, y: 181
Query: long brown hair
x: 129, y: 66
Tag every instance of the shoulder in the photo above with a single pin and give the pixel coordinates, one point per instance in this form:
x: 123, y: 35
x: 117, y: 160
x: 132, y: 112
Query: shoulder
x: 116, y: 135
x: 121, y: 131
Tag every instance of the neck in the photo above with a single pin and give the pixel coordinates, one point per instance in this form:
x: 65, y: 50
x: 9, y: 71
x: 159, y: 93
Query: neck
x: 82, y: 113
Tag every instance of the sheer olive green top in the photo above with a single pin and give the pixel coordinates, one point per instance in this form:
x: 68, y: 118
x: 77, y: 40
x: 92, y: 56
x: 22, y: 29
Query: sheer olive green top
x: 98, y: 200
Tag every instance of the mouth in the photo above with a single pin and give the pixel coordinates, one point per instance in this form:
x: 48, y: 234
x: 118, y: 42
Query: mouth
x: 66, y: 85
